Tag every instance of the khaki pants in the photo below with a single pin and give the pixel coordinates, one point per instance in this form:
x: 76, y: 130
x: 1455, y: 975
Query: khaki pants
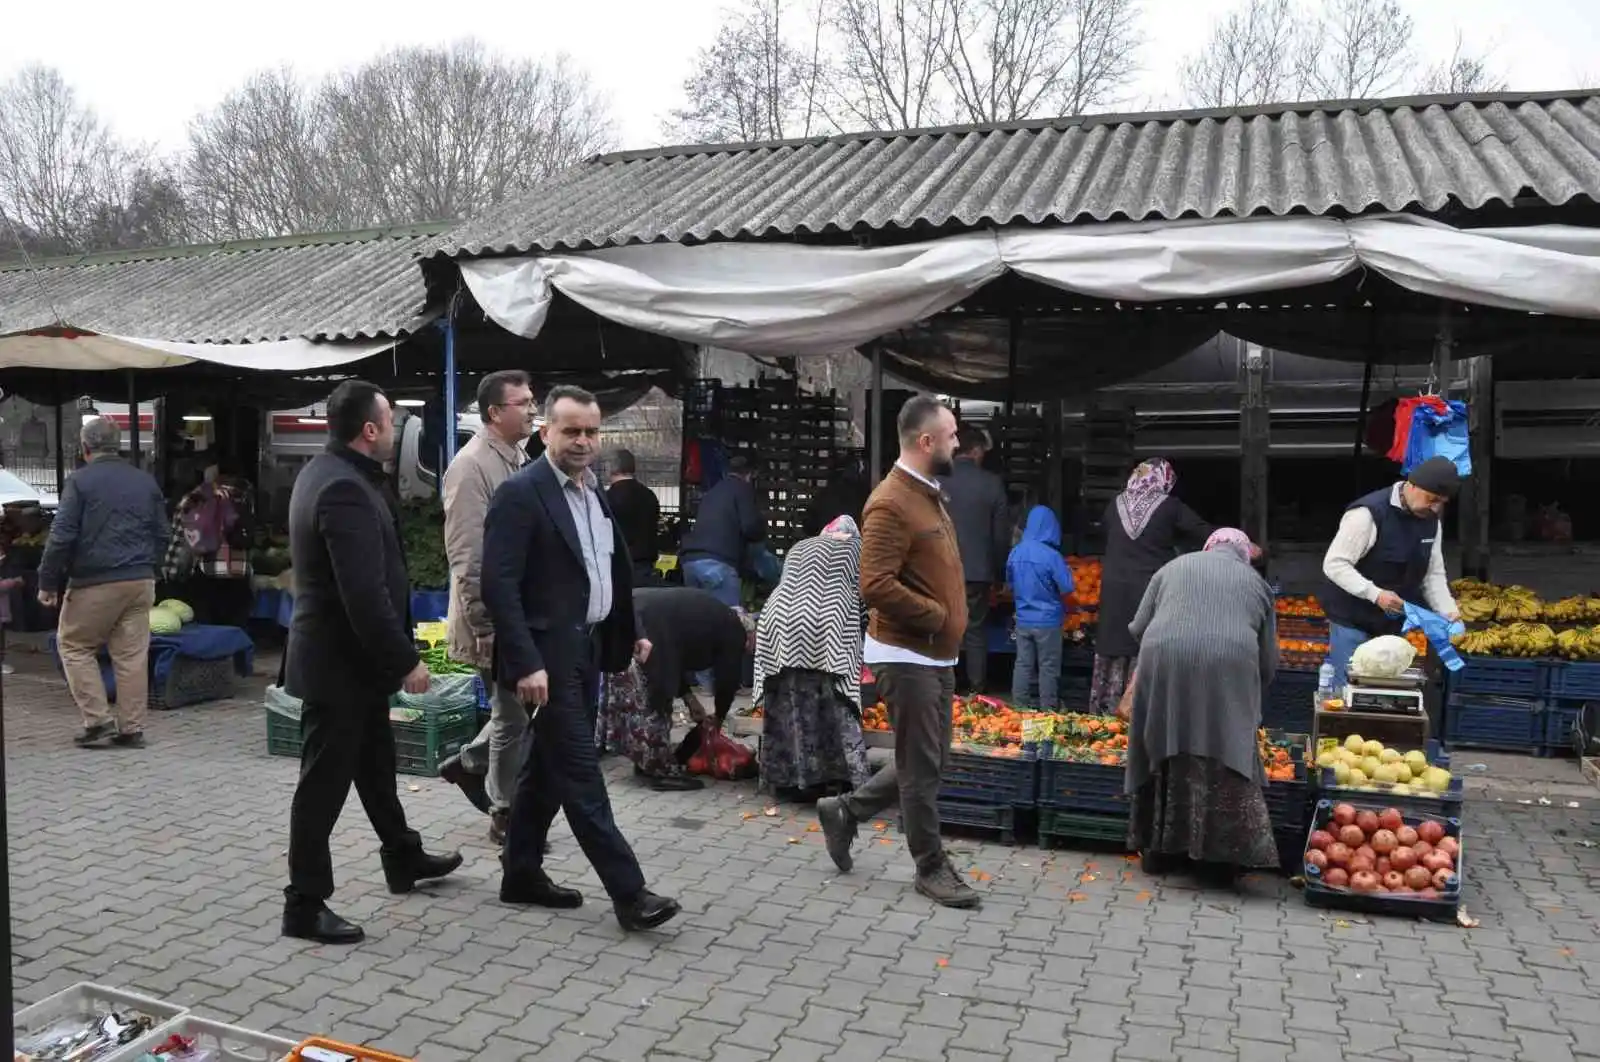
x: 116, y: 615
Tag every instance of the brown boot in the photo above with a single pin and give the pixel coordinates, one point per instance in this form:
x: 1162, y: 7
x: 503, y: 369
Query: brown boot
x: 945, y: 887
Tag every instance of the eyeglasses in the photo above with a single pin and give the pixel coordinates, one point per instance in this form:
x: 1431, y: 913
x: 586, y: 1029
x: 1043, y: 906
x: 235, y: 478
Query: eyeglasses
x: 524, y: 404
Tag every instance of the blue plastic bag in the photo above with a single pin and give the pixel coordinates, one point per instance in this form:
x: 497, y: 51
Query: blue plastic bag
x: 1436, y: 434
x: 1438, y: 631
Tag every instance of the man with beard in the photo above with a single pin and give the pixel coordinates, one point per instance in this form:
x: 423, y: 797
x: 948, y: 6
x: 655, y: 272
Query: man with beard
x: 350, y: 648
x: 913, y: 583
x: 559, y: 588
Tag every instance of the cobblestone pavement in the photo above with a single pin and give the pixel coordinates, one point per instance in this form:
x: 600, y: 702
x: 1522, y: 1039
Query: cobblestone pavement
x: 159, y: 870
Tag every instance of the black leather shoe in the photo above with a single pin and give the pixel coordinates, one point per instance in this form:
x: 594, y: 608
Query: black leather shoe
x: 93, y: 735
x: 452, y: 771
x: 646, y: 911
x: 402, y: 870
x: 134, y: 740
x: 539, y: 892
x: 305, y: 921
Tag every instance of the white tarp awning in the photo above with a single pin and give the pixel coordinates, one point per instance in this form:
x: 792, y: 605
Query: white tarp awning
x: 789, y: 299
x: 89, y: 352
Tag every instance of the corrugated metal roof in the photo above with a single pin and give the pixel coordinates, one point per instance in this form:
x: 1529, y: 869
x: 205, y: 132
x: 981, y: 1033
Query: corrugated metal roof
x: 354, y: 285
x: 1339, y: 158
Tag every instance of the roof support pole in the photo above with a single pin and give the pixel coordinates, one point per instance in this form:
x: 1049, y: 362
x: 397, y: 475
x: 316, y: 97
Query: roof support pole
x: 448, y: 436
x: 61, y: 443
x: 1255, y: 370
x: 5, y: 867
x: 876, y: 420
x: 1361, y: 414
x: 133, y: 418
x: 1013, y: 340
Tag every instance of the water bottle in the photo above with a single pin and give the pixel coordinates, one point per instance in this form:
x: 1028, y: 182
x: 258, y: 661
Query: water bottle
x: 1325, y: 683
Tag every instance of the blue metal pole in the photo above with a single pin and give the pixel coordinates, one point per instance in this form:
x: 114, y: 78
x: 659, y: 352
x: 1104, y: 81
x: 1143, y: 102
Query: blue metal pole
x: 449, y: 445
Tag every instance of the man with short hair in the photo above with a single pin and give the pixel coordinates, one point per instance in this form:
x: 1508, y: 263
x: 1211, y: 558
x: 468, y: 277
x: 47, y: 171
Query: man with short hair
x: 99, y: 565
x: 638, y: 510
x: 911, y: 581
x: 350, y: 648
x: 559, y: 590
x: 728, y: 523
x: 486, y: 768
x: 977, y: 501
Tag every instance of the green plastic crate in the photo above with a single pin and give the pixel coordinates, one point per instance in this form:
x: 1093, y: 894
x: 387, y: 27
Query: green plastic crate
x: 283, y: 734
x: 419, y: 747
x: 1063, y: 826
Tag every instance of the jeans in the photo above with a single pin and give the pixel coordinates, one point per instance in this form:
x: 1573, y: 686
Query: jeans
x: 1038, y: 658
x: 719, y: 579
x: 497, y: 751
x: 1342, y: 643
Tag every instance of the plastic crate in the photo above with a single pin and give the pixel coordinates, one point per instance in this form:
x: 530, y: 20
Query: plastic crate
x: 225, y: 1043
x: 1067, y: 785
x: 1001, y: 781
x: 85, y: 999
x: 964, y: 815
x: 1318, y: 894
x: 283, y: 734
x: 1560, y: 716
x: 1568, y: 679
x: 1289, y: 703
x: 191, y: 681
x: 1510, y: 678
x: 335, y: 1049
x: 1287, y: 803
x: 1059, y: 828
x: 420, y: 746
x: 1482, y: 721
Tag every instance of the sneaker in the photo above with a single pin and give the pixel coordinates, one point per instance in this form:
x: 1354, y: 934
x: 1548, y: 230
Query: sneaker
x: 838, y: 830
x: 945, y: 887
x: 93, y: 735
x: 135, y: 740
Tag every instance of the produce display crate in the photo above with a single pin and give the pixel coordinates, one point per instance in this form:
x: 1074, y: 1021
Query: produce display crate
x: 1435, y: 805
x: 225, y: 1043
x: 999, y: 819
x: 420, y: 746
x: 355, y: 1051
x: 283, y: 734
x: 1291, y: 843
x: 1494, y: 675
x: 1318, y: 894
x: 1060, y: 829
x: 1304, y: 628
x: 1560, y: 716
x: 1288, y: 703
x: 1571, y: 679
x: 1289, y: 801
x: 1067, y: 785
x: 191, y: 681
x: 1486, y: 721
x: 85, y: 999
x: 974, y: 777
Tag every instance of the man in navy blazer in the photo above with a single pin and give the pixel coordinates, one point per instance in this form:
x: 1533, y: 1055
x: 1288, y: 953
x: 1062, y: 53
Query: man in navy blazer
x: 558, y: 584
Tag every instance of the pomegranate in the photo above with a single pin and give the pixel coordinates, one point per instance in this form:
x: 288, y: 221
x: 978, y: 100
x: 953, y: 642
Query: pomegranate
x: 1383, y: 842
x: 1418, y: 878
x: 1317, y: 858
x: 1450, y: 847
x: 1406, y: 835
x: 1437, y: 861
x: 1421, y: 848
x: 1368, y: 821
x: 1336, y: 878
x: 1338, y: 854
x: 1321, y: 839
x: 1402, y: 859
x: 1384, y: 866
x: 1430, y: 831
x: 1394, y: 880
x: 1430, y: 893
x: 1390, y: 819
x: 1364, y: 881
x: 1443, y: 877
x: 1343, y: 814
x: 1362, y: 863
x: 1352, y: 835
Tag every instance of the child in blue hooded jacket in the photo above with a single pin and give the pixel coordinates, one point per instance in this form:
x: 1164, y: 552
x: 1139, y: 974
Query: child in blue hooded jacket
x: 1039, y: 579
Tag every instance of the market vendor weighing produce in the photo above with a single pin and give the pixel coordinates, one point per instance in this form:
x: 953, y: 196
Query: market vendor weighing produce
x: 1388, y: 551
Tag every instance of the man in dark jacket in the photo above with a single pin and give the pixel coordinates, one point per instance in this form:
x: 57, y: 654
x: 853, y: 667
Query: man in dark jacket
x: 559, y: 590
x: 977, y: 500
x: 108, y: 536
x: 729, y: 522
x: 350, y: 648
x: 638, y: 511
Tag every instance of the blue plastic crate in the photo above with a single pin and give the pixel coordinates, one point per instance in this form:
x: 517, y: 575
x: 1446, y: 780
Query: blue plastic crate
x: 1509, y: 724
x: 1289, y: 703
x: 1317, y: 894
x: 1066, y: 785
x: 1560, y: 715
x: 997, y: 781
x: 962, y: 815
x: 1287, y: 803
x: 1510, y: 678
x: 1575, y: 680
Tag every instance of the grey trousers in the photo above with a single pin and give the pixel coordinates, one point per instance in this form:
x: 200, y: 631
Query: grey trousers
x: 497, y: 751
x: 918, y: 699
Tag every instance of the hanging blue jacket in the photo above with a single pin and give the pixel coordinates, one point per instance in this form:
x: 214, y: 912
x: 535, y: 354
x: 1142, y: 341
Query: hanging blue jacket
x: 1037, y: 572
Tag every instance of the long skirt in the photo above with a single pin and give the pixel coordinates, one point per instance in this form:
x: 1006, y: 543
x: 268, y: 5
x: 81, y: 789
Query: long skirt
x: 1195, y: 807
x: 810, y: 736
x: 1111, y: 677
x: 626, y: 724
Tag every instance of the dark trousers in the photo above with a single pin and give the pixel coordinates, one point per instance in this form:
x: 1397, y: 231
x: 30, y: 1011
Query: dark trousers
x: 342, y: 744
x: 975, y: 643
x: 562, y: 773
x: 918, y: 699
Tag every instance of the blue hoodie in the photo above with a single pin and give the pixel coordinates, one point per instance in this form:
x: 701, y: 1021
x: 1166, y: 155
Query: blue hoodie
x: 1037, y: 572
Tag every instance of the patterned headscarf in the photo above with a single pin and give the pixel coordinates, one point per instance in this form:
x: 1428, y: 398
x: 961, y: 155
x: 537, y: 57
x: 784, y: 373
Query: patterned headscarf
x: 1232, y: 540
x: 842, y: 529
x: 1147, y: 488
x: 812, y: 620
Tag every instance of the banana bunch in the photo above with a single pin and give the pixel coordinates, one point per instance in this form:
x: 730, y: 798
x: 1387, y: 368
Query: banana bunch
x: 1527, y: 639
x: 1579, y: 643
x: 1477, y: 609
x: 1485, y: 642
x: 1463, y: 588
x: 1518, y: 604
x: 1567, y: 610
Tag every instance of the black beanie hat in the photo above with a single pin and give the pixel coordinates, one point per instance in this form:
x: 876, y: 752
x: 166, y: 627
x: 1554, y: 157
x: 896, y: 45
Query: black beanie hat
x: 1436, y: 475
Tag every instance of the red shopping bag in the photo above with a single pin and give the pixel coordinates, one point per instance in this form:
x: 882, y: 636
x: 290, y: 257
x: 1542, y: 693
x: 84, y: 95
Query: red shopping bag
x: 716, y: 755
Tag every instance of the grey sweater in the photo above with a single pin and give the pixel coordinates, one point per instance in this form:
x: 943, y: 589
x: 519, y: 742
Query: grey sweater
x: 111, y: 527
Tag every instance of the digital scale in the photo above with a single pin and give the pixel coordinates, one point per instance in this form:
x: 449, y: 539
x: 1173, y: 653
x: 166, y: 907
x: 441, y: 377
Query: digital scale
x: 1400, y: 695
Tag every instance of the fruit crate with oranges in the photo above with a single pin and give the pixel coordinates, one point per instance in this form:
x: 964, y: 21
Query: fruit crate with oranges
x: 1287, y: 792
x: 976, y: 775
x: 1076, y: 786
x: 1376, y: 859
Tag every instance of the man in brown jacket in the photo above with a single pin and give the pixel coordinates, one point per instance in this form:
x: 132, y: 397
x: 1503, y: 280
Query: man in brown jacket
x: 486, y: 769
x: 914, y: 585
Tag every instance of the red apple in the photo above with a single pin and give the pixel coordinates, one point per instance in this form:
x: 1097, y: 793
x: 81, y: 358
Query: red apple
x: 1394, y: 880
x: 1364, y: 881
x: 1339, y: 854
x: 1317, y: 858
x: 1343, y: 814
x: 1336, y: 878
x: 1368, y: 821
x: 1383, y: 842
x: 1390, y: 819
x: 1406, y: 835
x: 1402, y: 859
x: 1431, y: 831
x: 1321, y: 839
x: 1418, y: 878
x: 1352, y: 835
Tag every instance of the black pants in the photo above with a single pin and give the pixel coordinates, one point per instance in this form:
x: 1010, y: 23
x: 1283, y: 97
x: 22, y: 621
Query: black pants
x: 562, y: 773
x: 975, y: 643
x: 343, y: 744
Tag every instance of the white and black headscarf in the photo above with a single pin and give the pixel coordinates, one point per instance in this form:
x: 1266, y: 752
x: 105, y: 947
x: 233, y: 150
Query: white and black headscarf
x: 813, y: 618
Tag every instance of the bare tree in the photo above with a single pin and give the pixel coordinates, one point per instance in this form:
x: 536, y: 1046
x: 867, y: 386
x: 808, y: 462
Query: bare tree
x: 1251, y: 58
x: 1361, y: 48
x: 1462, y: 72
x: 889, y: 63
x: 147, y: 208
x: 751, y: 83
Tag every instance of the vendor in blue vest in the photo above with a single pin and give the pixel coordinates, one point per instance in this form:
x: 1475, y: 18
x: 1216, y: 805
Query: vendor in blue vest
x: 1388, y: 551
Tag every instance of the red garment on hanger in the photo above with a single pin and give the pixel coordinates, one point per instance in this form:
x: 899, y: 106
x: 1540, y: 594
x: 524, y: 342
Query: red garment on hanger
x: 1403, y: 411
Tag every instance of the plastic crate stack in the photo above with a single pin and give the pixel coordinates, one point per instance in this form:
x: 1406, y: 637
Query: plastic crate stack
x: 1511, y: 705
x: 1081, y: 801
x: 987, y: 792
x: 802, y: 436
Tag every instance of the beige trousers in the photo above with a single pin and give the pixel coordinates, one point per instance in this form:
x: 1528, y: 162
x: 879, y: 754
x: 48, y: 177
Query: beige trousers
x: 116, y: 615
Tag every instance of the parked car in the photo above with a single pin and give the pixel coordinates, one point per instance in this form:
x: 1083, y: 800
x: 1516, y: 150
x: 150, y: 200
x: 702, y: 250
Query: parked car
x: 15, y: 491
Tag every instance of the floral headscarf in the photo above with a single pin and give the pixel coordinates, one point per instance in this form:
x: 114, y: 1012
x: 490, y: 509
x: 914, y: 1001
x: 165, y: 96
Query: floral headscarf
x: 1232, y: 540
x: 1147, y: 488
x: 842, y: 529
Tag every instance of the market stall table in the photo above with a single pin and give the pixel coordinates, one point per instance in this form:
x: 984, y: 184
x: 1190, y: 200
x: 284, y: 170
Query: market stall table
x: 199, y: 663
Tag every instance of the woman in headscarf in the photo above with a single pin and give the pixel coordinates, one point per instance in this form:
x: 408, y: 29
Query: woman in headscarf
x: 808, y: 668
x: 1208, y: 648
x: 1145, y: 525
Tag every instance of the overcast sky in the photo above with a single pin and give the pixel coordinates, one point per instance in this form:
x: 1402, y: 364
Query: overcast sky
x: 149, y: 67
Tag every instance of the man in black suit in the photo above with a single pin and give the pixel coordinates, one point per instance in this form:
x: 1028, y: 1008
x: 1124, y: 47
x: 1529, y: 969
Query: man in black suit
x: 350, y: 647
x: 558, y: 584
x: 638, y: 511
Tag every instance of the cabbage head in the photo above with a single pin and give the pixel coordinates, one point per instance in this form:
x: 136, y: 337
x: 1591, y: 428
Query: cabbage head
x: 178, y: 608
x: 164, y: 621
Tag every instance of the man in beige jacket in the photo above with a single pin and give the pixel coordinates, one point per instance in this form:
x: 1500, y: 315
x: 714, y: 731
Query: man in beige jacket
x: 486, y: 769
